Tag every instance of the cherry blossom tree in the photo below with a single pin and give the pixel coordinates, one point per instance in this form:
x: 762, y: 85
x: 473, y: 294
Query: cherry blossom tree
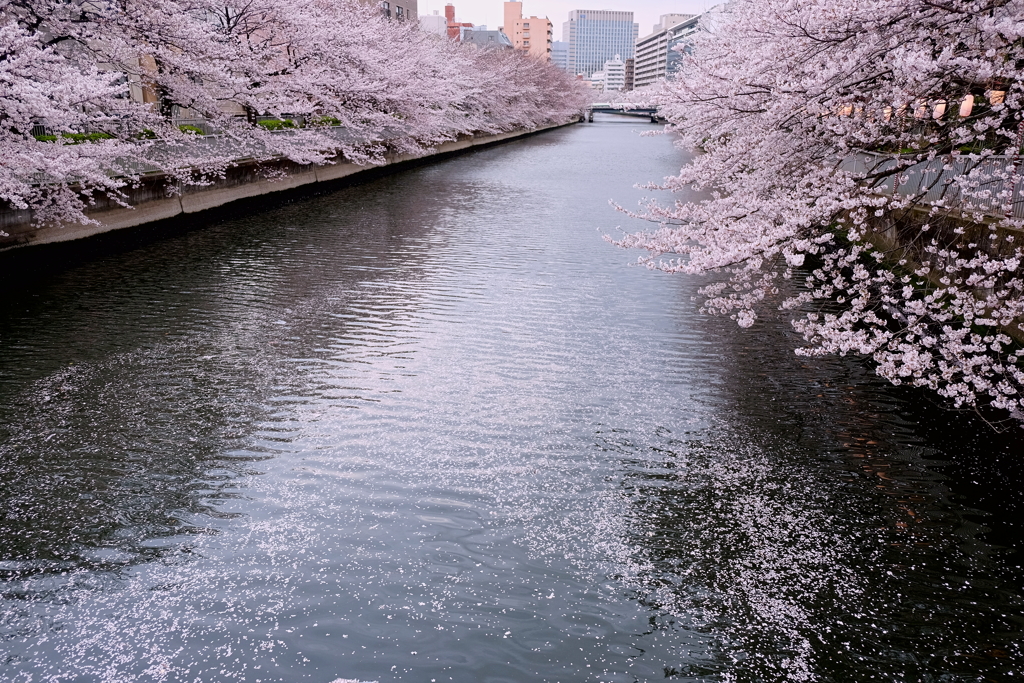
x: 869, y: 148
x: 337, y: 79
x: 37, y: 83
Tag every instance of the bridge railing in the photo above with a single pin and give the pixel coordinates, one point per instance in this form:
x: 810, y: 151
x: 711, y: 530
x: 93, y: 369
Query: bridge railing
x: 622, y: 110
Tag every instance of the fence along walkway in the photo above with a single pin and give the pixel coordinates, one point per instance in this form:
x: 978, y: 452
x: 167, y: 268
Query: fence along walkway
x: 997, y: 186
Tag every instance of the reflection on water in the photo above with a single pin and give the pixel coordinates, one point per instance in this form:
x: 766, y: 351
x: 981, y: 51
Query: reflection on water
x: 433, y: 428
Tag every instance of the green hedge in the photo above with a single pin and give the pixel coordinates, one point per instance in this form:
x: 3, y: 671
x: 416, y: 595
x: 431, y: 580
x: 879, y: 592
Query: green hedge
x: 276, y: 124
x: 75, y: 138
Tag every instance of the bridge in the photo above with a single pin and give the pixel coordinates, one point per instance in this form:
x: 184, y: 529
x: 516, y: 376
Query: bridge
x: 620, y: 109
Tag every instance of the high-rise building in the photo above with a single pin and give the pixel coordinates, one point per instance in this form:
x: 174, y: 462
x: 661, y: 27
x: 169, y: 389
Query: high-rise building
x: 680, y: 43
x: 630, y: 74
x: 532, y: 35
x: 595, y: 36
x: 652, y: 52
x: 560, y: 54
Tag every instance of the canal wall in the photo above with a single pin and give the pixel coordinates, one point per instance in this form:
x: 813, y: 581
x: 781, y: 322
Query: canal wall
x: 150, y: 202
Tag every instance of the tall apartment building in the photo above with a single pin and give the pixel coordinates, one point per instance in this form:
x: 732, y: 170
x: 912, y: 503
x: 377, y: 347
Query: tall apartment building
x: 532, y: 35
x: 681, y: 36
x: 595, y: 36
x: 652, y: 52
x: 630, y: 74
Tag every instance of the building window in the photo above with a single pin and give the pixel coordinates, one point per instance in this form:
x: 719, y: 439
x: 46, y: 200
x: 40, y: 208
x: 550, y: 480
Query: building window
x: 526, y: 43
x: 399, y: 12
x: 386, y: 6
x: 526, y: 26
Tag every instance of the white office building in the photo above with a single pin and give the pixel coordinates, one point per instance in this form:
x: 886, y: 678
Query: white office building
x: 615, y: 74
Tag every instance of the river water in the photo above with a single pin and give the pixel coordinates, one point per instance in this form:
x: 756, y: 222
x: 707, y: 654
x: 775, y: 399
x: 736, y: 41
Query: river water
x: 435, y: 428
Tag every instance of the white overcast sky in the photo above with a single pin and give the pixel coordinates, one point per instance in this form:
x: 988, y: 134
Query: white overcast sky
x: 490, y: 12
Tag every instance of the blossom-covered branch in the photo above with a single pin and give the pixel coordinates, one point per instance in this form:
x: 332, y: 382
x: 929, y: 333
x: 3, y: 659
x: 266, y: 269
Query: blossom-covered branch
x: 873, y: 147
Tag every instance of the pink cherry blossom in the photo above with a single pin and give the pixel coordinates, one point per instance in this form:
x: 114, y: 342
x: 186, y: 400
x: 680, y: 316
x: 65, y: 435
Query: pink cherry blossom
x: 869, y: 149
x: 352, y: 84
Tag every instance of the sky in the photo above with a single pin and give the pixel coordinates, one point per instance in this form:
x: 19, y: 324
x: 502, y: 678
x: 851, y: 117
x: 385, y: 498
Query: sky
x: 490, y: 12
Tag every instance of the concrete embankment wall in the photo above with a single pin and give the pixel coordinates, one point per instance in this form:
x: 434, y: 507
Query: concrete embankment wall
x: 150, y: 202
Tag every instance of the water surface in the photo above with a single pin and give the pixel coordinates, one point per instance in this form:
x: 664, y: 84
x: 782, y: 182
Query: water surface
x: 434, y: 428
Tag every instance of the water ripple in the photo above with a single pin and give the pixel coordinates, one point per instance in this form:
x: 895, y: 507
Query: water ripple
x: 433, y: 428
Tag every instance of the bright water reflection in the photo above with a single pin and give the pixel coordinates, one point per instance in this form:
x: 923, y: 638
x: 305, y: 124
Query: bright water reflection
x: 433, y: 428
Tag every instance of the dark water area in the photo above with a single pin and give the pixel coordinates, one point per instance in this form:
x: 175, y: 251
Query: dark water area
x: 435, y: 428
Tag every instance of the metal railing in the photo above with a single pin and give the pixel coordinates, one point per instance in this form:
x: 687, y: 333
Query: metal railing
x: 991, y: 186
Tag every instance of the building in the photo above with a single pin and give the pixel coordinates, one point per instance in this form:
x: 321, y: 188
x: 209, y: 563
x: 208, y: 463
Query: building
x: 615, y: 75
x: 434, y: 23
x: 455, y: 28
x: 630, y: 73
x: 652, y: 52
x: 400, y: 9
x: 596, y: 81
x: 532, y: 35
x: 666, y: 21
x: 560, y: 54
x: 488, y: 40
x: 595, y: 36
x: 681, y: 37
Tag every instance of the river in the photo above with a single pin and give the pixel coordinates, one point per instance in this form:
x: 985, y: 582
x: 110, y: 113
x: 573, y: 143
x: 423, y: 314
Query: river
x: 434, y: 428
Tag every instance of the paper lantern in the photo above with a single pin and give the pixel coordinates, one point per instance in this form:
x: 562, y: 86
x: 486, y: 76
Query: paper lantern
x: 967, y: 106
